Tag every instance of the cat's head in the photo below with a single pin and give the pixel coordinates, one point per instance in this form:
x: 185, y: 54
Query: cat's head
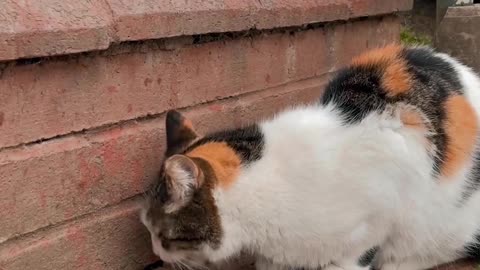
x: 180, y: 210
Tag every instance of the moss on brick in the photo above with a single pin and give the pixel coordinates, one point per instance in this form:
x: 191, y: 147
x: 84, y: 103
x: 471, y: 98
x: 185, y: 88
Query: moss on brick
x: 409, y: 37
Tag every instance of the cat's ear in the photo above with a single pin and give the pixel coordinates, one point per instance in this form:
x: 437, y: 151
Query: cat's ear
x: 180, y: 132
x: 183, y: 178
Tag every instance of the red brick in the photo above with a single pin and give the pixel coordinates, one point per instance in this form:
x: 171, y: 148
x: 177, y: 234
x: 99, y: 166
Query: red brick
x: 110, y: 239
x: 360, y: 8
x: 51, y: 182
x: 66, y: 96
x: 58, y: 97
x: 166, y: 18
x: 50, y: 27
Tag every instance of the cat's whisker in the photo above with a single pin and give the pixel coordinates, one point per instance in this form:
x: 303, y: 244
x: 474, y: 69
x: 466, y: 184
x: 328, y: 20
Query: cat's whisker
x: 185, y: 265
x: 197, y: 265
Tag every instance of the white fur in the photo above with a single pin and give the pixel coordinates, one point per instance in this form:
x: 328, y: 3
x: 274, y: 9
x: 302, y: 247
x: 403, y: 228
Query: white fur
x: 323, y: 193
x: 182, y: 187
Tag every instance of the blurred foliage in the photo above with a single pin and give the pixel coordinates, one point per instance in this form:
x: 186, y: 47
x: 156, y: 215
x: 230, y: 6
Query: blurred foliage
x: 409, y: 37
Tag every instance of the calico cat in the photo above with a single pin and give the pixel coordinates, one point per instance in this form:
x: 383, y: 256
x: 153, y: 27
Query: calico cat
x: 383, y: 173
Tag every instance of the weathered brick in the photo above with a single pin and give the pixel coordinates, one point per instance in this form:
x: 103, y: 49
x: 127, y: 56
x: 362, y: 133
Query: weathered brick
x: 360, y: 8
x: 110, y: 239
x: 50, y: 27
x: 60, y: 179
x: 353, y: 38
x: 58, y: 97
x: 165, y: 18
x: 168, y: 18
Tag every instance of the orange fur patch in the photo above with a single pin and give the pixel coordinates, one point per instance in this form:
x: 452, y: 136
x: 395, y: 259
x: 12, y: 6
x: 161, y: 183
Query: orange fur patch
x: 224, y: 161
x: 413, y: 119
x: 395, y: 76
x: 377, y: 56
x: 461, y: 129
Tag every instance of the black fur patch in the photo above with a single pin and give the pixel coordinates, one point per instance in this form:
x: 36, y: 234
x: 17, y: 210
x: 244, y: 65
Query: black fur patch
x: 179, y: 135
x: 435, y: 79
x: 426, y: 63
x: 367, y: 258
x: 472, y: 250
x: 357, y: 91
x: 248, y: 142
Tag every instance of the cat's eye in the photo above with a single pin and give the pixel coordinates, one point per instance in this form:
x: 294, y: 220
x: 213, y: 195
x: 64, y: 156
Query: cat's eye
x: 185, y: 239
x: 166, y: 244
x: 184, y: 243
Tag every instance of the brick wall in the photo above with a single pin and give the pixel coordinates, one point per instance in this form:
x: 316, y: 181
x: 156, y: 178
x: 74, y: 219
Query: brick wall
x: 84, y: 86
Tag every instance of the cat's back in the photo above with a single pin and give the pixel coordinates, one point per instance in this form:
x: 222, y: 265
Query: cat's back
x: 430, y: 91
x: 390, y: 152
x: 417, y: 76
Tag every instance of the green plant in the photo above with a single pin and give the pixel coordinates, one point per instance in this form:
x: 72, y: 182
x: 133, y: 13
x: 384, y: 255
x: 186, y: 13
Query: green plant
x: 409, y: 37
